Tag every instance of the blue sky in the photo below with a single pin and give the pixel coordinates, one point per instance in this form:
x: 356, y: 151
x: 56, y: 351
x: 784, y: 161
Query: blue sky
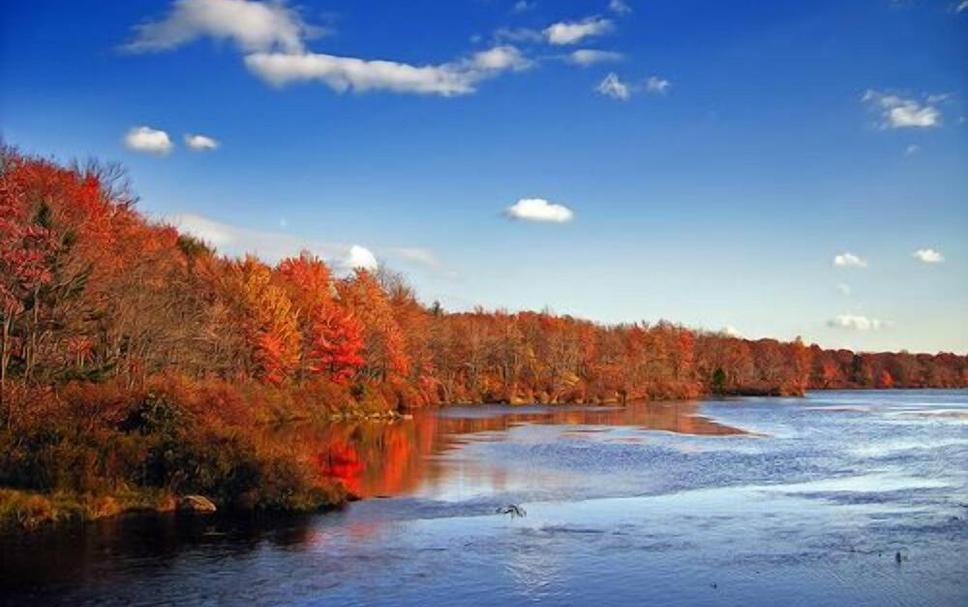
x: 706, y: 164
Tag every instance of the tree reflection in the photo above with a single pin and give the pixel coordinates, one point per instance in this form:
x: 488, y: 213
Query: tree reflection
x: 375, y: 459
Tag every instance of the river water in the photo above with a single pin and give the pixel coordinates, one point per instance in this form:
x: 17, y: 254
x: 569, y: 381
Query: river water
x: 841, y: 498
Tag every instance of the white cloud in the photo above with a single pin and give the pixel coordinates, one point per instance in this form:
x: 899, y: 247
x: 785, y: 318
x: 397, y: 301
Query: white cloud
x: 613, y: 87
x: 844, y: 289
x: 361, y: 257
x: 732, y: 331
x: 897, y: 112
x: 200, y: 143
x: 539, y: 209
x: 345, y: 73
x: 621, y: 8
x: 849, y: 260
x: 856, y: 322
x: 912, y: 149
x: 523, y: 6
x: 586, y: 57
x: 147, y: 139
x: 928, y: 256
x: 360, y: 75
x: 500, y: 58
x: 654, y: 84
x: 573, y: 32
x: 251, y: 25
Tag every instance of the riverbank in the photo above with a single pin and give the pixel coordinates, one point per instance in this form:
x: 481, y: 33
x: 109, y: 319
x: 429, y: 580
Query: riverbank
x: 30, y: 511
x: 22, y: 511
x: 89, y: 452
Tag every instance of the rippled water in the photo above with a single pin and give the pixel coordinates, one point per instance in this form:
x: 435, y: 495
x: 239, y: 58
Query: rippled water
x: 758, y: 501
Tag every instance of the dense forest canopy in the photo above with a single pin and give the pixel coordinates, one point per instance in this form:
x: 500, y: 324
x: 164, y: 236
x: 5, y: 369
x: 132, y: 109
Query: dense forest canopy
x: 93, y: 291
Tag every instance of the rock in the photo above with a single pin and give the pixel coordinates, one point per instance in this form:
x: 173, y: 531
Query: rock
x: 196, y: 504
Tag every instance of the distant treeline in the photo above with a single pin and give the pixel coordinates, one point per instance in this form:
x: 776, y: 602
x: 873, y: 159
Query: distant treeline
x: 91, y: 291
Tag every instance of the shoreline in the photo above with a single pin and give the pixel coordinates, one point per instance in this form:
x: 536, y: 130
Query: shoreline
x: 24, y: 511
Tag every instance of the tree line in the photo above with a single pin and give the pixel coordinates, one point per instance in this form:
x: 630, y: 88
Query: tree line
x: 92, y: 291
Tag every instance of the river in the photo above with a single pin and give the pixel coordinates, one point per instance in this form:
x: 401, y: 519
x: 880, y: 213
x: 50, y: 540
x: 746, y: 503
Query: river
x: 840, y: 498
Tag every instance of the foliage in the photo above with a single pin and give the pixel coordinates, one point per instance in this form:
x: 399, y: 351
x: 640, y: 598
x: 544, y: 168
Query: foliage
x: 133, y: 356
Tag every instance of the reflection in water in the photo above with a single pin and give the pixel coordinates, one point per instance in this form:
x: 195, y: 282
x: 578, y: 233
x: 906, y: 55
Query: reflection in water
x: 378, y: 459
x: 814, y: 503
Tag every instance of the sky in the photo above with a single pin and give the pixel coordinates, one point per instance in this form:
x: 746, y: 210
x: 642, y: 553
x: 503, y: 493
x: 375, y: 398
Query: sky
x: 766, y: 168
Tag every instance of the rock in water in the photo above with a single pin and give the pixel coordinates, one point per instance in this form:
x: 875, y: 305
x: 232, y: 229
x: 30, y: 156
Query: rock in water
x: 513, y: 510
x: 197, y: 504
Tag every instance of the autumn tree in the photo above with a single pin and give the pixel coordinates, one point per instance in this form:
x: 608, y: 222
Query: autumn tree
x: 332, y: 337
x: 266, y: 317
x: 384, y: 343
x: 26, y: 248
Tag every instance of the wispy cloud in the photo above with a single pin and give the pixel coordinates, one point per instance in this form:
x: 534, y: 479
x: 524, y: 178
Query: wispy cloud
x: 588, y: 57
x: 849, y: 260
x: 612, y: 86
x: 424, y: 258
x: 654, y: 84
x: 539, y: 209
x: 149, y: 140
x: 362, y: 75
x: 518, y: 35
x: 857, y: 322
x: 251, y: 25
x: 899, y: 112
x: 523, y: 6
x: 619, y: 7
x: 272, y: 246
x: 573, y: 32
x: 200, y: 143
x: 844, y: 289
x: 236, y: 241
x: 928, y: 256
x: 272, y: 35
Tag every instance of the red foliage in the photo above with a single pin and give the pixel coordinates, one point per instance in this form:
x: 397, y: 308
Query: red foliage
x: 332, y: 336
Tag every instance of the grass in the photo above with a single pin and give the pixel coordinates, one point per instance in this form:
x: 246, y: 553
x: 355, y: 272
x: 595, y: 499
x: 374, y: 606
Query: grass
x: 30, y: 510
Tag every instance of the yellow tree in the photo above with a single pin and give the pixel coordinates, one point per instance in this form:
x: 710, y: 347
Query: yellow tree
x: 266, y: 317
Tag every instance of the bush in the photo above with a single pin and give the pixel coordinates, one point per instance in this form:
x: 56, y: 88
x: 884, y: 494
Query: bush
x: 98, y: 442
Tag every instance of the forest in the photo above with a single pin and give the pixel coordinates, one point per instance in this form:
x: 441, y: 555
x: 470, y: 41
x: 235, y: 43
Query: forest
x: 138, y: 364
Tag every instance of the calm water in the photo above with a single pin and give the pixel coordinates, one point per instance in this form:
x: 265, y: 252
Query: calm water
x: 760, y: 501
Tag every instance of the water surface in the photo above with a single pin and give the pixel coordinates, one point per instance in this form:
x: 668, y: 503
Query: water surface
x: 758, y: 501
